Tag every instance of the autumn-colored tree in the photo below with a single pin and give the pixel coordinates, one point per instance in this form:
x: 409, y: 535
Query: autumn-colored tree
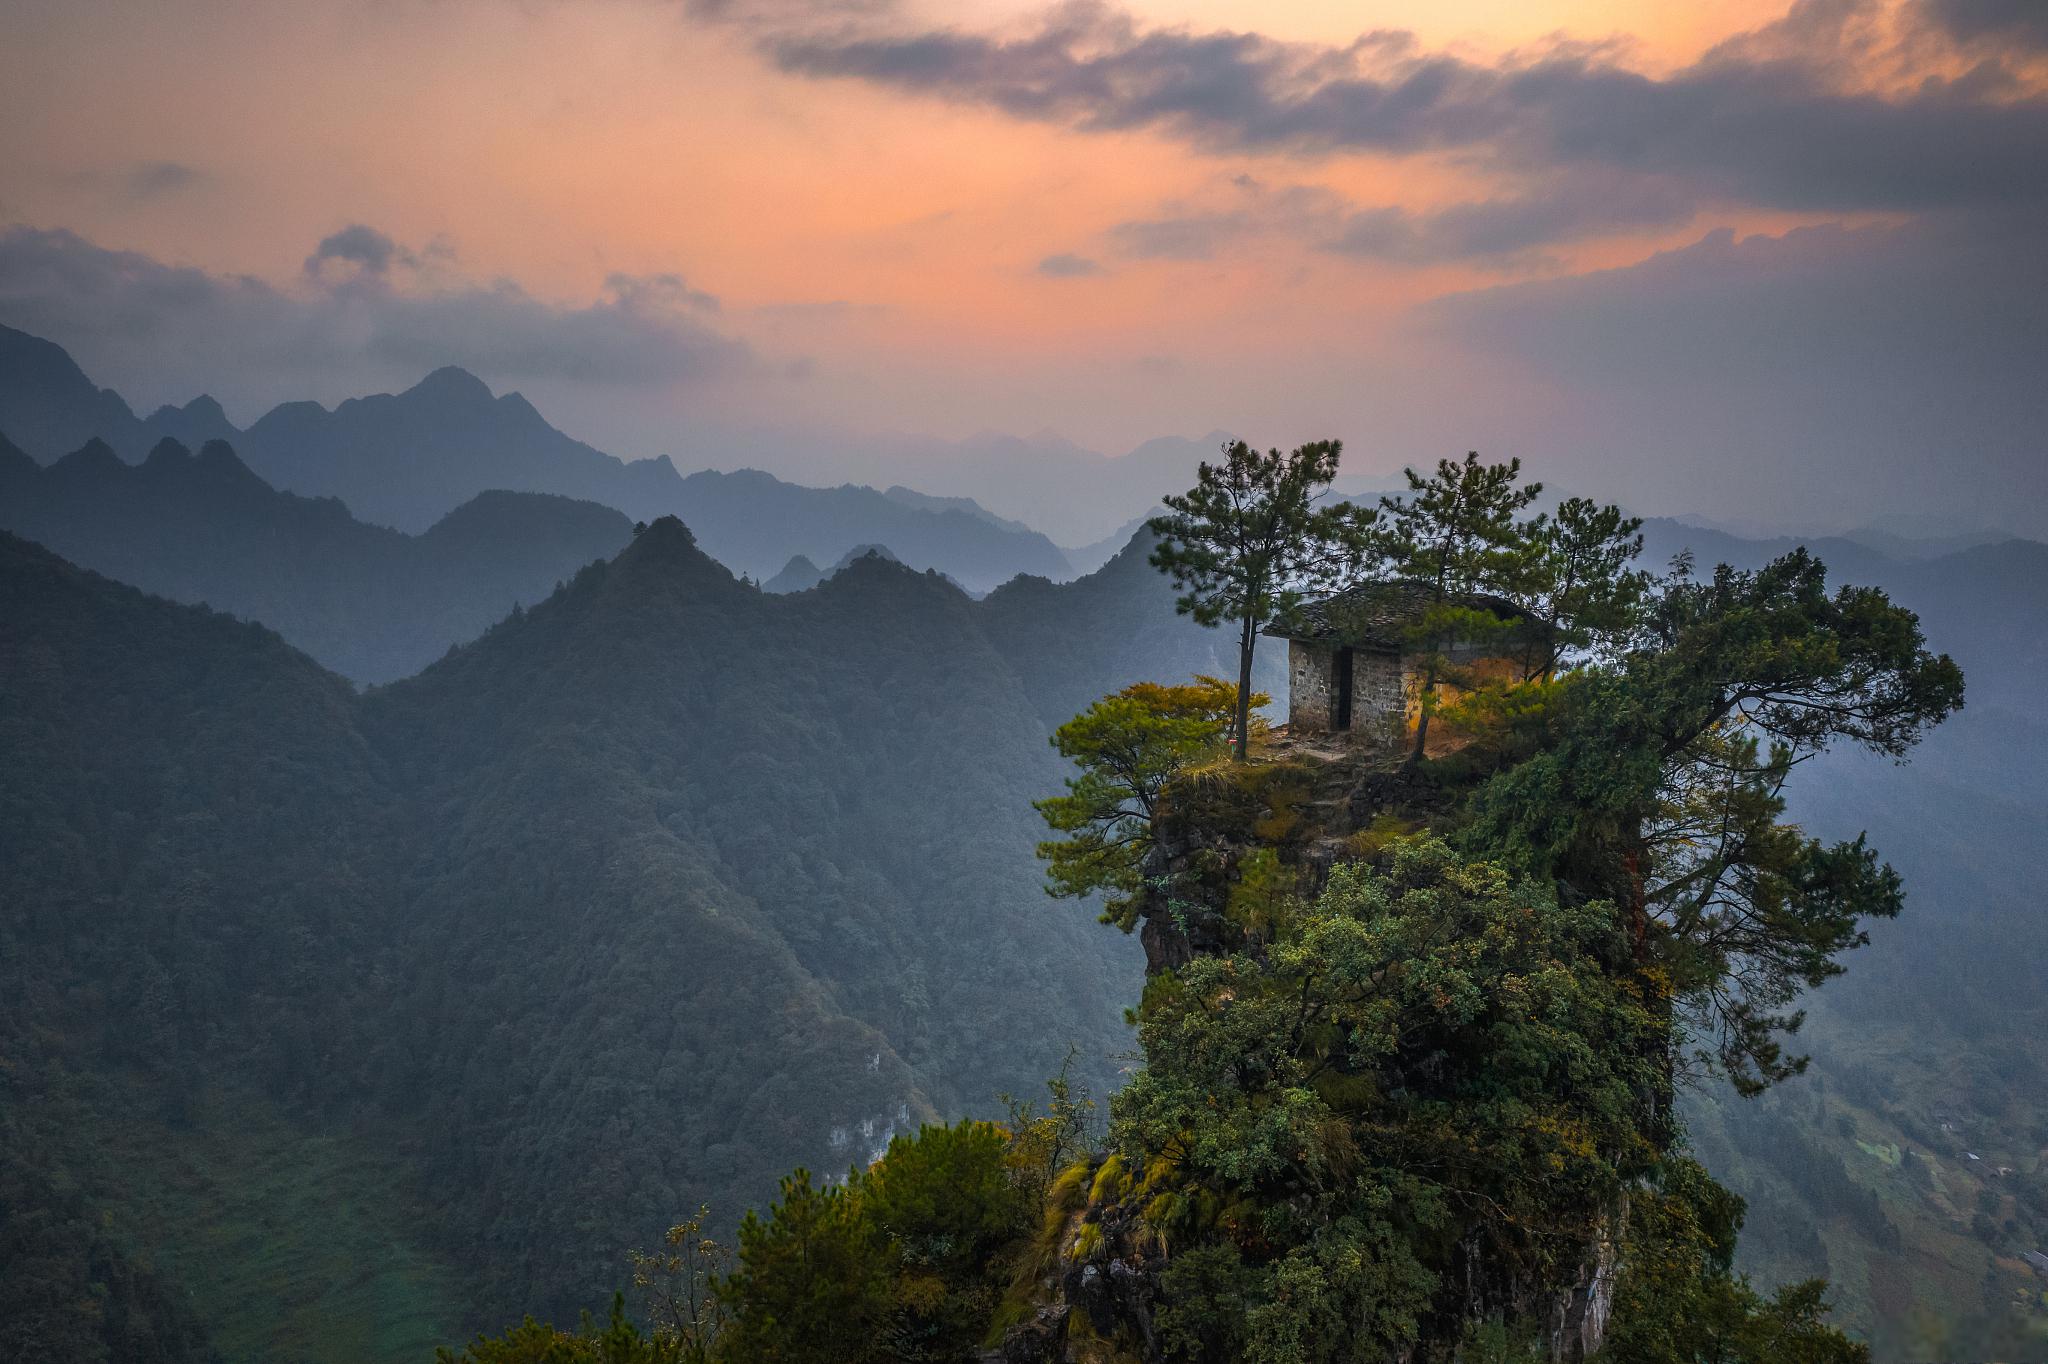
x: 1128, y: 746
x: 677, y: 1283
x: 1456, y: 531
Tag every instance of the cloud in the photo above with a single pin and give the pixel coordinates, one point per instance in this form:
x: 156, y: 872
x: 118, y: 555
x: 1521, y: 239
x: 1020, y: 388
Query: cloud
x: 1512, y: 227
x: 155, y: 179
x: 162, y: 331
x: 1969, y: 21
x: 1065, y: 265
x: 136, y: 183
x: 1792, y: 130
x: 825, y: 310
x: 1503, y: 232
x: 1193, y: 236
x: 658, y: 292
x: 1829, y: 362
x: 1234, y: 211
x: 359, y: 245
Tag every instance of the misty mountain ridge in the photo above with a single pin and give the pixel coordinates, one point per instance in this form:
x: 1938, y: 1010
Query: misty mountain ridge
x: 798, y: 575
x: 373, y: 604
x: 406, y: 459
x: 50, y: 407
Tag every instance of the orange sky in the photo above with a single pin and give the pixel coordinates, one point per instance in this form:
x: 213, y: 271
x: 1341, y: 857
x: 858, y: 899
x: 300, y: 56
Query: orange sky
x: 558, y: 143
x: 876, y: 249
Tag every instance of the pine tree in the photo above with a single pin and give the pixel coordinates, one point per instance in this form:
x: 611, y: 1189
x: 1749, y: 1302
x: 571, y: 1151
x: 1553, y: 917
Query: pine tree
x: 1247, y: 543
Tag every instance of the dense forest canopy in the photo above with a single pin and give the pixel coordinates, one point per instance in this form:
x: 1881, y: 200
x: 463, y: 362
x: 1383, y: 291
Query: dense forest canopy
x: 629, y: 905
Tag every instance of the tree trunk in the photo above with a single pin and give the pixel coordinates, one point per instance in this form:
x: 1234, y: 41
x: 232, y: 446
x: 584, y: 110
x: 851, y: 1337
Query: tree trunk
x: 1247, y: 640
x: 1658, y: 1102
x: 1422, y: 713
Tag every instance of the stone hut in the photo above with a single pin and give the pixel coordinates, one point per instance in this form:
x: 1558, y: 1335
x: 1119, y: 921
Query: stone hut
x: 1352, y: 667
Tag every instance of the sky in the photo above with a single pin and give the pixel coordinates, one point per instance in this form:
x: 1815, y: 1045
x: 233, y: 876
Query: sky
x: 1779, y: 266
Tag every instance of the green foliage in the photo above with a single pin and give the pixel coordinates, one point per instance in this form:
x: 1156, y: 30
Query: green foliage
x: 1044, y: 1140
x: 1577, y: 578
x: 1430, y: 1063
x: 812, y: 1284
x: 458, y: 908
x: 68, y: 1290
x: 1456, y: 531
x: 1247, y: 543
x: 1128, y: 747
x: 1679, y: 1301
x: 946, y: 1197
x: 904, y: 1262
x: 624, y: 908
x: 618, y: 1341
x: 949, y: 1203
x: 1539, y: 591
x: 1661, y: 784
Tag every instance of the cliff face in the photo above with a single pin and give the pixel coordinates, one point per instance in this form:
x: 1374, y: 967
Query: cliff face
x: 1285, y: 819
x: 1231, y: 843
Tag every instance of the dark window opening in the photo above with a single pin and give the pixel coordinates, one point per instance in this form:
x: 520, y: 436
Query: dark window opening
x: 1340, y: 712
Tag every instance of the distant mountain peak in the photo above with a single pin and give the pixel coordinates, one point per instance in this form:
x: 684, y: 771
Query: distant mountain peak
x: 216, y: 458
x: 204, y: 408
x: 219, y: 457
x: 166, y: 452
x: 517, y: 402
x: 860, y: 552
x: 667, y: 530
x: 51, y: 407
x: 665, y: 542
x: 798, y: 575
x: 13, y: 458
x: 207, y: 405
x: 94, y: 455
x: 451, y: 383
x: 664, y: 562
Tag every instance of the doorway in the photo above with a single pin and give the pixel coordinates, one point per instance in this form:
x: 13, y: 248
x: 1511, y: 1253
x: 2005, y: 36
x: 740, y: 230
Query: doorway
x: 1340, y: 709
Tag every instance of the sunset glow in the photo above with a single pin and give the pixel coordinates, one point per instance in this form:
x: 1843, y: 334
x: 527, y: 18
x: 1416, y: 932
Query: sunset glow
x: 896, y: 248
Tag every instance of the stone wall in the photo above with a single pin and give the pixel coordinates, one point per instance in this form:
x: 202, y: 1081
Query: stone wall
x: 1308, y: 686
x: 1378, y: 695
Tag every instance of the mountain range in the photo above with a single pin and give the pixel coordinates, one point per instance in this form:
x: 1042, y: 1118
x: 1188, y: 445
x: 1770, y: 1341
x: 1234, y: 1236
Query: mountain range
x: 370, y: 603
x: 659, y: 887
x: 406, y: 460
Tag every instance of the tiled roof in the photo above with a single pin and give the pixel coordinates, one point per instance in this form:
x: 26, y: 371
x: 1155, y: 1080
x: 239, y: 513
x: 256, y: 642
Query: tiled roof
x: 1377, y: 615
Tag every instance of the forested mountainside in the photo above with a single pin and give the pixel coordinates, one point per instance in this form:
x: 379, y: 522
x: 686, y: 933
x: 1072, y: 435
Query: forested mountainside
x: 1910, y: 1164
x: 658, y: 888
x: 406, y: 460
x: 1930, y: 1050
x: 370, y: 603
x: 1127, y: 623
